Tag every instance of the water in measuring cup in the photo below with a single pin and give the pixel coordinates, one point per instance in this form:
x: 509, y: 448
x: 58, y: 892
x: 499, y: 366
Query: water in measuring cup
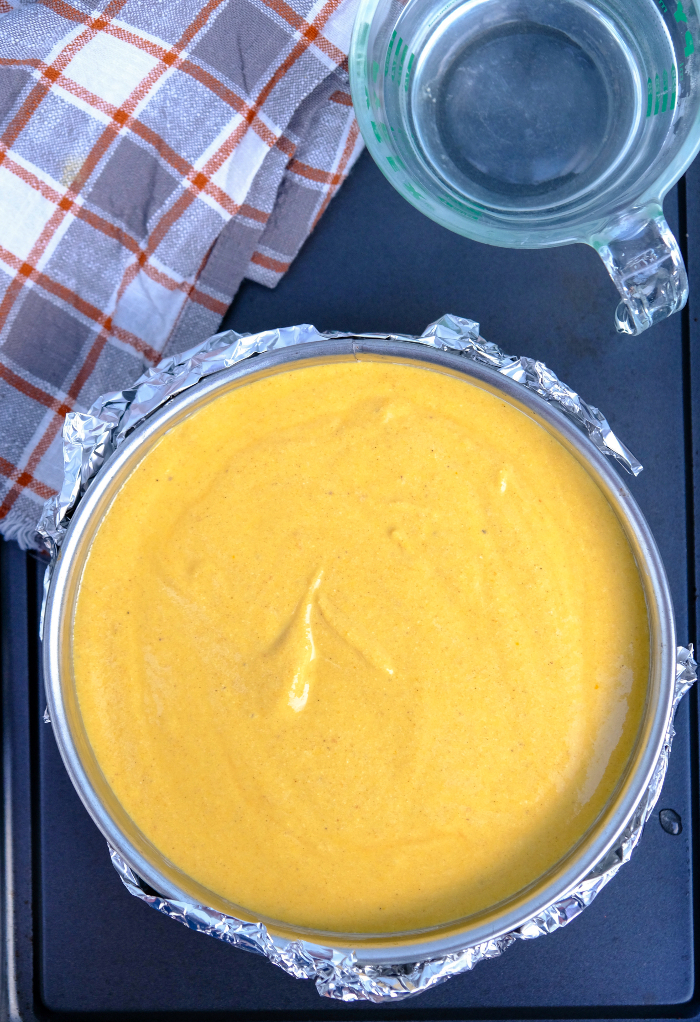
x: 527, y: 105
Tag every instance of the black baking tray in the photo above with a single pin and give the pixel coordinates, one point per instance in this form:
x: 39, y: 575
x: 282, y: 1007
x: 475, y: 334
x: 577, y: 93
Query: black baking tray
x: 75, y: 945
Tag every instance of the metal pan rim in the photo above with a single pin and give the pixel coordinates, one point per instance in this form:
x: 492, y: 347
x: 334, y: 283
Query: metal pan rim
x: 369, y: 948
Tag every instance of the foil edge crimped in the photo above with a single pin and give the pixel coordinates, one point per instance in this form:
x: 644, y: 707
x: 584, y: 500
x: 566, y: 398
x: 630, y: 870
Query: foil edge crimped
x: 89, y: 440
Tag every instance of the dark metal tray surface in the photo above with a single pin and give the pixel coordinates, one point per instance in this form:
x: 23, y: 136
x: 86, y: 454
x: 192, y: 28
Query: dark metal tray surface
x: 75, y: 945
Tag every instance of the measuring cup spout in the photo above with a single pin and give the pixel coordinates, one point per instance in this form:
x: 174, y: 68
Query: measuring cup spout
x: 646, y: 265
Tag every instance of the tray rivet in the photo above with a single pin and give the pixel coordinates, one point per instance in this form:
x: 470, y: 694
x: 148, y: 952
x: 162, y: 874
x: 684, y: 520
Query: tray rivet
x: 670, y: 821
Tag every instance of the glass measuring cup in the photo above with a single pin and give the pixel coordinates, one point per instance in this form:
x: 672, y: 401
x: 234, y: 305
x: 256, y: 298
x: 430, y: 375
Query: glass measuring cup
x: 534, y: 123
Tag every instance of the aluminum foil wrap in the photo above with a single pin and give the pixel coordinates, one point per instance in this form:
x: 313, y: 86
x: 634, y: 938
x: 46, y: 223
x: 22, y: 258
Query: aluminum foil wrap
x: 88, y: 442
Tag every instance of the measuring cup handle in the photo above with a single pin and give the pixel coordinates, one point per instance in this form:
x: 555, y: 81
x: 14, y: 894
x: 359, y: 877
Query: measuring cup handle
x: 644, y: 261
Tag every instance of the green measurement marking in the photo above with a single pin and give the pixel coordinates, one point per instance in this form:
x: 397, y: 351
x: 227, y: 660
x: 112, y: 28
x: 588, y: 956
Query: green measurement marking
x: 388, y: 54
x: 408, y: 70
x: 659, y: 90
x: 412, y: 191
x: 403, y: 57
x: 680, y: 16
x: 395, y: 163
x: 375, y: 129
x: 397, y: 52
x: 462, y: 207
x: 375, y: 71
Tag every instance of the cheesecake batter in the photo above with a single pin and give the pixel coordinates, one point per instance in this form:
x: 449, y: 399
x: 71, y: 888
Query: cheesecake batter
x: 361, y: 647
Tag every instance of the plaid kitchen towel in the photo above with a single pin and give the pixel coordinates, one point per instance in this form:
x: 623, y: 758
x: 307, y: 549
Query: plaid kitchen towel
x: 153, y: 154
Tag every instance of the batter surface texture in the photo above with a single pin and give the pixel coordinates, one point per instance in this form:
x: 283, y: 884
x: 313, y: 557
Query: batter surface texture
x: 361, y: 647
